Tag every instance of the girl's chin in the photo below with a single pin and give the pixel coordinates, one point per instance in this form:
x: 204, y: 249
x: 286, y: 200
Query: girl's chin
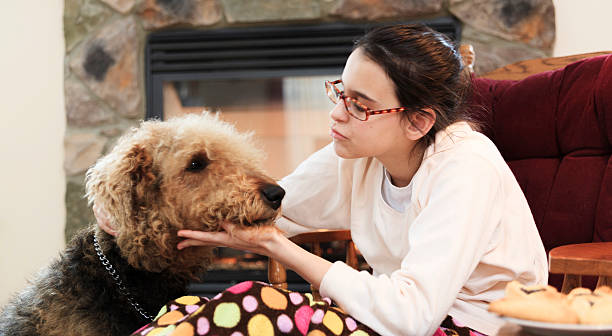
x: 343, y: 152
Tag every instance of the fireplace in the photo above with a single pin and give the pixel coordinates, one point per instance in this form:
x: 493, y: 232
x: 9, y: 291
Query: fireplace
x: 268, y: 80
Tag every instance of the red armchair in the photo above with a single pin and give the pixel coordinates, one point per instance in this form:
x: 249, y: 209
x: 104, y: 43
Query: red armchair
x: 554, y: 129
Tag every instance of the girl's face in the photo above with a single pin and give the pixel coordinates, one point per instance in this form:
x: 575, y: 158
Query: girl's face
x: 380, y: 135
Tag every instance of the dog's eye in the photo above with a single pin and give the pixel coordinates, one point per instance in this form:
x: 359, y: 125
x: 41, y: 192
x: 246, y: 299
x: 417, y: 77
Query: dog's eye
x: 197, y: 164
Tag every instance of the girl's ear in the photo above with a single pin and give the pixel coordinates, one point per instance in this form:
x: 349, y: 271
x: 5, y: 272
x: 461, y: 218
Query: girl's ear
x: 419, y: 124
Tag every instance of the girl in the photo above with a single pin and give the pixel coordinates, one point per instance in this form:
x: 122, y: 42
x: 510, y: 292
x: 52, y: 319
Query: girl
x: 431, y: 204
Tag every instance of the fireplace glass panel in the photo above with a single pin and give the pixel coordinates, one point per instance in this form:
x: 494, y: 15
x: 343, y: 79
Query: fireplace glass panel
x: 289, y: 116
x: 268, y: 80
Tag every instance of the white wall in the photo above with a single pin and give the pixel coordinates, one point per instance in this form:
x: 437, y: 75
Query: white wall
x: 582, y: 26
x: 32, y: 125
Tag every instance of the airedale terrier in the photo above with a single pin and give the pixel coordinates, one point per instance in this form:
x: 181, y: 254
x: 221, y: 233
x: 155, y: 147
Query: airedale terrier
x: 186, y: 173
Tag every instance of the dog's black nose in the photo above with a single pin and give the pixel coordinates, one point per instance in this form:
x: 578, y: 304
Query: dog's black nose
x: 273, y: 195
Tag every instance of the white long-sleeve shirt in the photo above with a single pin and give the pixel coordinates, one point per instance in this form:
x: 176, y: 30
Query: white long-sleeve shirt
x: 466, y: 233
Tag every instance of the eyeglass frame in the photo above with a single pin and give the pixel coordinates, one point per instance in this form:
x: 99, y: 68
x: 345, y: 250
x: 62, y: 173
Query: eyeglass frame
x: 368, y: 111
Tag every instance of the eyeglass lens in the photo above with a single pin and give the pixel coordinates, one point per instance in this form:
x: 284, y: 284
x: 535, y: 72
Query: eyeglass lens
x: 332, y: 92
x: 352, y: 106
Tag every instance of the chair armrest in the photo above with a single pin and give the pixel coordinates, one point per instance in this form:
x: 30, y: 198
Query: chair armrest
x: 321, y: 236
x: 522, y: 69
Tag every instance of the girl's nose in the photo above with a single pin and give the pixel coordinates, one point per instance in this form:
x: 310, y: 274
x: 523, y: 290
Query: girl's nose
x: 339, y: 113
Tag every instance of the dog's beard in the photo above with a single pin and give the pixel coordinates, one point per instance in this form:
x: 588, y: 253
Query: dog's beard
x: 191, y: 263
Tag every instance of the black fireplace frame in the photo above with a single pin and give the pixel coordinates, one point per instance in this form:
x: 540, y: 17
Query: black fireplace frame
x: 255, y: 52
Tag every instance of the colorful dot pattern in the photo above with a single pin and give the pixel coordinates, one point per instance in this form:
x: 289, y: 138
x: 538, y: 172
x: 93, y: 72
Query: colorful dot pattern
x: 253, y: 309
x: 258, y: 309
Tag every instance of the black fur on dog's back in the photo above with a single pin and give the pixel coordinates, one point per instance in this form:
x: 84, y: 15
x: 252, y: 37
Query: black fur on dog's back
x: 75, y: 295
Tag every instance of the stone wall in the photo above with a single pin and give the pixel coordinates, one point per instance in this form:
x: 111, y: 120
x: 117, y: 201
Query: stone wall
x: 104, y: 79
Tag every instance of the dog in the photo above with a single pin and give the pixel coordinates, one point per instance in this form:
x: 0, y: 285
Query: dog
x: 192, y: 172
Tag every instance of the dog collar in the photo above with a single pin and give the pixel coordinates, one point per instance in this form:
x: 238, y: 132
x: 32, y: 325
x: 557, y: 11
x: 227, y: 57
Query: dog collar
x: 122, y: 289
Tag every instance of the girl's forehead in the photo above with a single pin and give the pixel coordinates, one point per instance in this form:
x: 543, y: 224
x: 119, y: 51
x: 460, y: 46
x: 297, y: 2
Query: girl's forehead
x: 358, y: 64
x: 363, y: 75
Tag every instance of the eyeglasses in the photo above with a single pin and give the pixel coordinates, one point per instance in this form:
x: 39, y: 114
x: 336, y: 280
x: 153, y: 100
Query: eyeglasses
x: 354, y: 108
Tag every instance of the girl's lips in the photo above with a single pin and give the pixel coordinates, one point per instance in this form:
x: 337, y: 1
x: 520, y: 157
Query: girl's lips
x: 337, y: 135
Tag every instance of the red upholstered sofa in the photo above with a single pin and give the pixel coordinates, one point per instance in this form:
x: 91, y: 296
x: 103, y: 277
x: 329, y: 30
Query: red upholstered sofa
x: 555, y: 131
x: 552, y: 121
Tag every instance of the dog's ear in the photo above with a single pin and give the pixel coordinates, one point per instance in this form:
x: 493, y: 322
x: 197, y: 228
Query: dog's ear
x: 144, y: 180
x: 123, y: 182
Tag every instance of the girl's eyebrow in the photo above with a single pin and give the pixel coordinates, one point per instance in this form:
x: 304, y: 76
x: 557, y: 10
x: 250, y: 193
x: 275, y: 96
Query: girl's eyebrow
x: 362, y: 95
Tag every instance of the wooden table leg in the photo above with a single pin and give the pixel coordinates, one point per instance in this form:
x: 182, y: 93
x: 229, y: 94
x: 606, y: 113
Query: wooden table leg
x: 571, y: 281
x: 604, y: 281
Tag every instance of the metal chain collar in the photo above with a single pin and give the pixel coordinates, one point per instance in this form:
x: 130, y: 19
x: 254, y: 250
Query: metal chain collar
x: 122, y: 289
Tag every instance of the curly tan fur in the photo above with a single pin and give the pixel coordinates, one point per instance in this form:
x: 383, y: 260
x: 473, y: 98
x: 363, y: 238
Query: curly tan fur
x: 187, y: 173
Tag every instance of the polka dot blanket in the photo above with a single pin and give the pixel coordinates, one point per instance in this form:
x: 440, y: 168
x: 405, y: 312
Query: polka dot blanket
x: 256, y: 309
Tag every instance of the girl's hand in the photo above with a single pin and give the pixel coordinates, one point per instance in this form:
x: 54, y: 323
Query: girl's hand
x: 253, y: 239
x: 266, y: 240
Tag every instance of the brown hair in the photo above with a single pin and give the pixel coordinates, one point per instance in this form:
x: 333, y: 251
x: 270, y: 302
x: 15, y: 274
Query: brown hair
x: 426, y: 70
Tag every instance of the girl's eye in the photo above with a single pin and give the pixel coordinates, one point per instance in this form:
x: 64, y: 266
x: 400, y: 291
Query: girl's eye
x: 197, y: 163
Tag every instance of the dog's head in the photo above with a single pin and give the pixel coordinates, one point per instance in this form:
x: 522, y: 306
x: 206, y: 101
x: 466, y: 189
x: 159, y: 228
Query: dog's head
x: 191, y: 172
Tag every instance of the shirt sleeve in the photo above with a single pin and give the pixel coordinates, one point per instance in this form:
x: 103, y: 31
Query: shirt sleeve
x: 461, y: 204
x: 317, y: 194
